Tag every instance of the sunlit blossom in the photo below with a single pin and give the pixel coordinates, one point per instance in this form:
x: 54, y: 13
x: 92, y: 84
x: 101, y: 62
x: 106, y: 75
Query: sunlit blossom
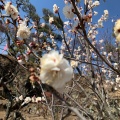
x: 95, y: 13
x: 96, y: 3
x: 55, y: 70
x: 42, y: 25
x: 75, y: 26
x: 65, y: 1
x: 11, y: 10
x: 68, y: 11
x: 74, y: 63
x: 117, y: 30
x: 117, y: 79
x: 26, y: 101
x: 51, y: 20
x: 41, y: 35
x: 100, y: 23
x: 55, y: 8
x: 106, y: 12
x: 23, y: 31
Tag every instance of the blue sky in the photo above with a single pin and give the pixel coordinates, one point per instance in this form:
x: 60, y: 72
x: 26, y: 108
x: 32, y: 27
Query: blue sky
x: 39, y: 4
x: 113, y: 6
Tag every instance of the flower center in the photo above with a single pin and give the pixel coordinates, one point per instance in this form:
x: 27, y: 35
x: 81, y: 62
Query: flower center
x: 54, y: 60
x: 118, y: 30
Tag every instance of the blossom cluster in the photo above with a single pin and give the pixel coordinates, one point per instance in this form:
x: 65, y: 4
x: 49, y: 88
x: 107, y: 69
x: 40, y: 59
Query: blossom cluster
x: 23, y: 31
x: 103, y: 18
x: 11, y: 10
x: 29, y: 99
x: 73, y: 28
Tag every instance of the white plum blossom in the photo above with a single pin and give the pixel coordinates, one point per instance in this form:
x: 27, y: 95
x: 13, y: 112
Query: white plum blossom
x: 26, y: 101
x: 112, y: 83
x: 49, y: 48
x: 42, y: 25
x: 110, y: 54
x: 51, y: 20
x: 41, y: 35
x: 11, y: 10
x: 55, y: 70
x: 20, y: 60
x: 33, y: 99
x: 96, y: 3
x: 107, y: 81
x: 93, y: 43
x: 21, y: 97
x: 51, y: 36
x: 104, y: 53
x: 66, y: 22
x: 75, y: 26
x: 43, y: 99
x: 89, y: 2
x: 101, y: 41
x: 115, y: 65
x: 65, y: 1
x: 100, y: 23
x: 68, y: 11
x: 117, y: 30
x: 105, y: 16
x: 104, y: 70
x: 23, y: 31
x: 117, y: 79
x: 38, y: 99
x: 55, y: 8
x: 17, y: 99
x: 74, y: 64
x: 95, y: 13
x: 106, y: 12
